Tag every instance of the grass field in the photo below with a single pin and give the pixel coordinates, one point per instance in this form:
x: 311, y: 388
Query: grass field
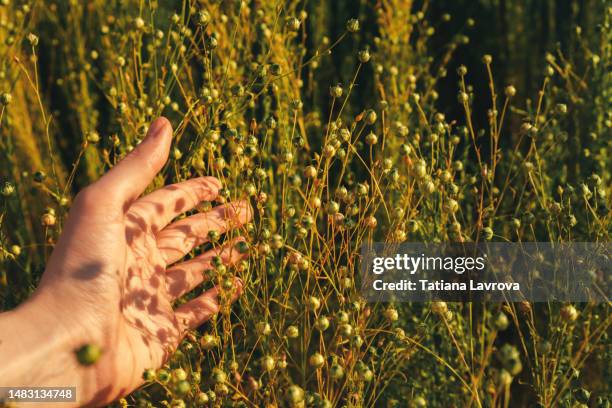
x: 344, y: 122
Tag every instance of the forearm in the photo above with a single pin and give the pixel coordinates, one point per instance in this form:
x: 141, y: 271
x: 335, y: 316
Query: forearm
x: 37, y: 349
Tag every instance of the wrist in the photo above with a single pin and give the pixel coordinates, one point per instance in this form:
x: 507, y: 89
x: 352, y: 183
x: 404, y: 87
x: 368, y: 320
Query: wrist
x: 36, y: 348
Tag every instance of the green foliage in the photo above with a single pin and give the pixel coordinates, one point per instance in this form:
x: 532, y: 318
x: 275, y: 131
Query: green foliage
x: 345, y: 123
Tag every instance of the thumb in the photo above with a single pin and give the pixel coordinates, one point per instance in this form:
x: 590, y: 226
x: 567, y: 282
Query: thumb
x: 131, y: 176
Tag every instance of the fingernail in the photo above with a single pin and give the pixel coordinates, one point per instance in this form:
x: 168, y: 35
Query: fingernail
x: 157, y: 127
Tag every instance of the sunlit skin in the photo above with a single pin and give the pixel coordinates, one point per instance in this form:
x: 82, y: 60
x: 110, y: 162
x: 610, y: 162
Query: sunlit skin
x: 113, y: 277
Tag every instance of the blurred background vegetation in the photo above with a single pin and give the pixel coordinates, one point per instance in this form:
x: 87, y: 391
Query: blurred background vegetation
x: 80, y: 81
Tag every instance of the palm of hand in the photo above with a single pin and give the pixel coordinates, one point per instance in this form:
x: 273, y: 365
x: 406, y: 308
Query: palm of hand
x: 110, y: 265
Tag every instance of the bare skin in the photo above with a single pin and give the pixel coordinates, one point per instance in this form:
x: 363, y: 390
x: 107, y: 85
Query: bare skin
x: 113, y: 277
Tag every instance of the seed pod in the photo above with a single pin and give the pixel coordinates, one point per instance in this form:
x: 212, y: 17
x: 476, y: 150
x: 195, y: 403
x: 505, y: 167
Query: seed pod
x: 569, y: 313
x: 139, y: 23
x: 439, y: 307
x: 8, y: 189
x: 202, y: 398
x: 501, y: 321
x: 371, y: 138
x: 316, y: 360
x: 179, y: 374
x: 208, y: 341
x: 310, y: 172
x: 15, y: 250
x: 148, y: 375
x: 322, y: 323
x: 487, y: 233
x: 263, y: 328
x: 88, y: 354
x: 268, y: 363
x: 214, y: 236
x: 336, y: 91
x: 451, y: 206
x: 352, y: 26
x: 295, y: 396
x: 357, y: 341
x: 371, y: 116
x: 313, y: 303
x: 371, y: 222
x: 336, y: 371
x: 219, y: 376
x: 366, y: 375
x: 48, y: 219
x: 292, y: 332
x: 364, y: 56
x: 293, y: 24
x: 6, y: 98
x: 163, y: 375
x: 391, y: 314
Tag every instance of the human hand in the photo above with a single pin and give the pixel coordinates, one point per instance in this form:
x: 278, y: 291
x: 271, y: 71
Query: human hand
x: 108, y: 282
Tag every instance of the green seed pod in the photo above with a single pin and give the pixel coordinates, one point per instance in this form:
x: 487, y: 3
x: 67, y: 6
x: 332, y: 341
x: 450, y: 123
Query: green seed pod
x: 439, y: 307
x: 357, y: 341
x: 336, y: 372
x: 163, y: 375
x: 501, y: 321
x: 15, y: 250
x: 294, y: 395
x: 336, y: 91
x: 6, y: 98
x: 463, y: 97
x: 88, y: 354
x: 487, y: 233
x: 179, y: 374
x: 293, y: 24
x: 208, y: 341
x: 219, y: 376
x: 268, y: 363
x: 391, y: 314
x: 322, y: 323
x: 342, y: 317
x: 211, y: 42
x: 313, y: 303
x: 292, y: 332
x: 346, y: 330
x: 148, y: 375
x: 214, y: 236
x: 428, y: 187
x: 366, y: 375
x: 263, y: 328
x: 8, y: 189
x: 371, y: 139
x: 451, y: 206
x: 362, y: 189
x: 569, y: 313
x: 202, y: 398
x: 364, y: 56
x: 316, y: 360
x: 371, y: 116
x: 352, y: 26
x: 504, y: 378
